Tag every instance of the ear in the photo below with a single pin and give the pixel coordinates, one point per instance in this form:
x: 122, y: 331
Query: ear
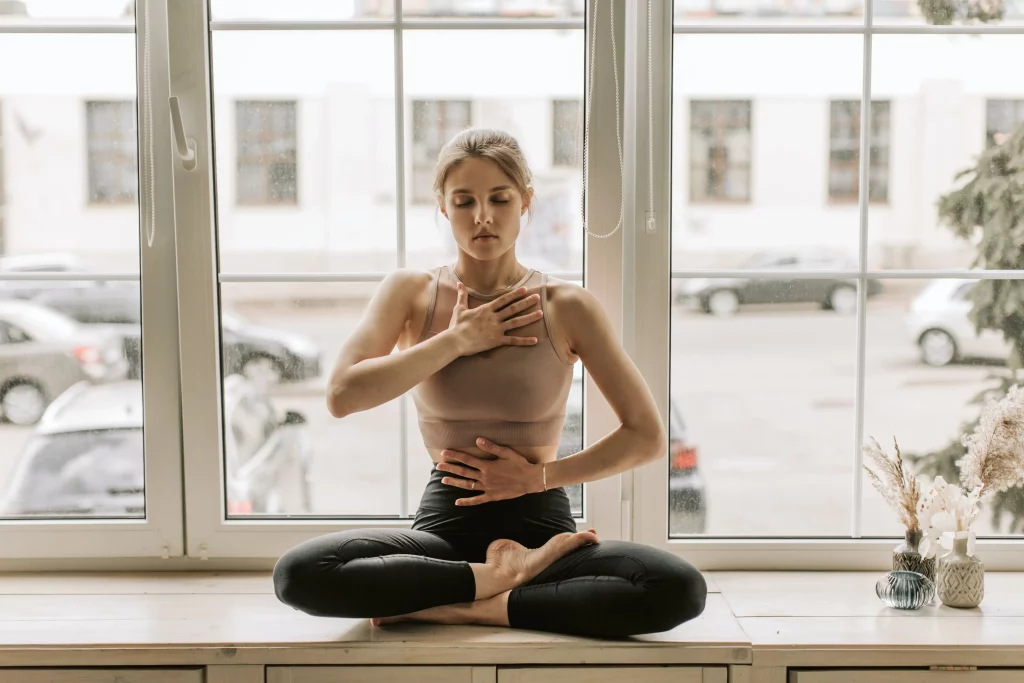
x: 440, y: 206
x: 526, y: 201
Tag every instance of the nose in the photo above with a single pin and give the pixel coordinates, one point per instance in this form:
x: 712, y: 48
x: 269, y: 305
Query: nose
x: 483, y: 216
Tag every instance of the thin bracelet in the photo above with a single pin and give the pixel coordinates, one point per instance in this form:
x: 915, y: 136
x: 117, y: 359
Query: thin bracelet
x: 544, y: 474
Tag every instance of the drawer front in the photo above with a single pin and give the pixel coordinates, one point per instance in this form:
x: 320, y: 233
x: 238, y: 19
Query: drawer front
x: 612, y: 674
x: 101, y: 675
x: 380, y: 674
x: 906, y: 676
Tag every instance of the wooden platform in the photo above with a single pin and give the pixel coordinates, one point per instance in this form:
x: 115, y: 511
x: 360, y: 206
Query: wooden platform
x: 757, y: 626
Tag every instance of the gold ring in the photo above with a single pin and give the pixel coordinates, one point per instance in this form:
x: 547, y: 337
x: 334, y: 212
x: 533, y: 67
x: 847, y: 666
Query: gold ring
x: 472, y: 487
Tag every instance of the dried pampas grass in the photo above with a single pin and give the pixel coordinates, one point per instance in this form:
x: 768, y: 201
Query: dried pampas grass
x: 893, y: 480
x: 995, y: 450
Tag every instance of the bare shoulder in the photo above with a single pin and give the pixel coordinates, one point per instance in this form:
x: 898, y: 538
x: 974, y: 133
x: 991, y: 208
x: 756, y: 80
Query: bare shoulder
x: 574, y: 314
x: 408, y: 289
x: 571, y: 300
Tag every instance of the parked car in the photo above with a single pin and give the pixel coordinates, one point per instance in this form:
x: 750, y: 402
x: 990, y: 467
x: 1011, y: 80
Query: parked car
x: 42, y: 353
x: 686, y: 496
x: 724, y: 296
x: 939, y: 325
x: 86, y: 456
x: 43, y: 264
x: 262, y: 354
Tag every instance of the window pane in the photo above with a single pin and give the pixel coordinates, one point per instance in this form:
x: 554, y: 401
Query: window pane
x: 947, y: 108
x: 770, y: 12
x: 926, y: 363
x: 755, y: 150
x: 762, y: 407
x: 301, y: 10
x: 70, y: 388
x: 551, y: 239
x: 468, y: 9
x: 71, y: 401
x: 305, y: 151
x: 567, y: 132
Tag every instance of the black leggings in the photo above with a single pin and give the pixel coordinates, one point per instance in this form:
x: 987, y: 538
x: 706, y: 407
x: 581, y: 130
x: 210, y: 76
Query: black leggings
x: 611, y: 589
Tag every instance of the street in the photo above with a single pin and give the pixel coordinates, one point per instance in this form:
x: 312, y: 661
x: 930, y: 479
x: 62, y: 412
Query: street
x: 767, y: 397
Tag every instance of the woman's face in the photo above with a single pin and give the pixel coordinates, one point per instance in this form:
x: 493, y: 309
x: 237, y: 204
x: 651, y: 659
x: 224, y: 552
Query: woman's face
x: 483, y: 207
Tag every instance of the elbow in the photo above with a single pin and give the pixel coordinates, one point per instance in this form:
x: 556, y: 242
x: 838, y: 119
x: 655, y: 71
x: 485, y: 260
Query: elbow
x: 338, y: 401
x: 655, y: 443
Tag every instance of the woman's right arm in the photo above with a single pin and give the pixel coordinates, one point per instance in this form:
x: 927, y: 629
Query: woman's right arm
x: 367, y: 374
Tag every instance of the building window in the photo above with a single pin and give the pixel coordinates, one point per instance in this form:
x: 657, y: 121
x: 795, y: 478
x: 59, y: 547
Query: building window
x: 1001, y: 118
x: 267, y: 152
x: 844, y: 156
x: 113, y: 164
x: 720, y: 151
x: 434, y: 122
x: 566, y: 133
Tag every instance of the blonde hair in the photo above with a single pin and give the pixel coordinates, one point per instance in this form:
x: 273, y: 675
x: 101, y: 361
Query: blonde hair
x: 486, y: 143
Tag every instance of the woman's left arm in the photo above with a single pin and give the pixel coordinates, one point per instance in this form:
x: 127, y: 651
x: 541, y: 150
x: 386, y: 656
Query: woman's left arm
x: 640, y: 437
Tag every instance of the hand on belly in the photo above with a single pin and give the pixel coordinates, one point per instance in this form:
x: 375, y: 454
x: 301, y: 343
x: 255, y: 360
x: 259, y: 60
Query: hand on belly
x: 497, y: 471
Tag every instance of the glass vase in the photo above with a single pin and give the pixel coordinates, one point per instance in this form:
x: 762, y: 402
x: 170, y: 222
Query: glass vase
x: 905, y: 590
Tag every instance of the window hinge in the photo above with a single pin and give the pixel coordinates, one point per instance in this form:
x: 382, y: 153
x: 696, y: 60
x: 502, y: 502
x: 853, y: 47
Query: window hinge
x: 940, y: 667
x: 166, y: 554
x: 202, y: 552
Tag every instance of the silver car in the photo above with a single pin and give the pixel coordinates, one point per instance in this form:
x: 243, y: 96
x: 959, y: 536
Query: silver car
x: 85, y: 458
x: 43, y: 352
x: 939, y: 324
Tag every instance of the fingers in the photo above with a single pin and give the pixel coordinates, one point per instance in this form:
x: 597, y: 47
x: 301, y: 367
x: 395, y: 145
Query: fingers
x: 460, y: 470
x: 460, y: 458
x: 521, y: 305
x: 461, y: 299
x: 522, y: 320
x: 475, y: 500
x: 460, y: 483
x: 518, y: 341
x: 506, y: 299
x: 500, y: 451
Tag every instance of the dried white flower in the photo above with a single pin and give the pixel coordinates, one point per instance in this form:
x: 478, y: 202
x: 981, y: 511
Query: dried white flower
x: 944, y: 512
x: 995, y: 451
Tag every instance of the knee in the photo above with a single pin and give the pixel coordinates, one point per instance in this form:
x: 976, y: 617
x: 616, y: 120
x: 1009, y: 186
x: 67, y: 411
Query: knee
x: 682, y: 594
x: 292, y: 575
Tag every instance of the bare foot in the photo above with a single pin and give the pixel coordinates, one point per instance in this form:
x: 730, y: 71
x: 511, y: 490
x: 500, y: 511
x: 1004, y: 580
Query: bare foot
x: 492, y: 611
x: 519, y: 564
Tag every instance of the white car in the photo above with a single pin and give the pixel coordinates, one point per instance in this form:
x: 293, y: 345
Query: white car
x: 939, y: 324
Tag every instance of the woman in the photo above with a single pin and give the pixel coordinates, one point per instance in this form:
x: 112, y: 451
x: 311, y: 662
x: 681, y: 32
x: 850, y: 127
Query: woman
x: 487, y: 346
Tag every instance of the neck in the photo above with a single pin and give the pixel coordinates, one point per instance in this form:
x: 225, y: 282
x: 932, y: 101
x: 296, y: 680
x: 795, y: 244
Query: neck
x: 488, y: 277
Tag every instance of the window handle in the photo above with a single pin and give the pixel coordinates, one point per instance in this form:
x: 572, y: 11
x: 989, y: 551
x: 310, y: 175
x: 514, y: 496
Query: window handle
x: 186, y: 146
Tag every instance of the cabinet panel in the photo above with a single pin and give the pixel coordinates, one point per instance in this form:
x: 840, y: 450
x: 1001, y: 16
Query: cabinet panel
x: 604, y: 674
x: 379, y: 674
x: 101, y: 675
x: 906, y: 676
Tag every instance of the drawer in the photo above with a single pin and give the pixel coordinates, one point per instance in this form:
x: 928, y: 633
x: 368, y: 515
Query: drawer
x: 907, y: 676
x: 379, y: 674
x: 614, y: 674
x: 101, y: 675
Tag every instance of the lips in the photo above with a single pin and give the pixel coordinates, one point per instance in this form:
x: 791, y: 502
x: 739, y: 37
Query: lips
x: 485, y: 237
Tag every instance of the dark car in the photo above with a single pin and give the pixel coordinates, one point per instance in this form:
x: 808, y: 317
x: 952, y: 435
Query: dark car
x: 262, y: 354
x: 724, y: 296
x: 686, y: 496
x: 86, y: 456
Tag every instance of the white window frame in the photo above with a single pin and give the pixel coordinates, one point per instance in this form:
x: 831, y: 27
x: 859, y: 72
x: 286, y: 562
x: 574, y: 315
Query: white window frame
x: 649, y: 298
x: 209, y: 534
x: 31, y: 544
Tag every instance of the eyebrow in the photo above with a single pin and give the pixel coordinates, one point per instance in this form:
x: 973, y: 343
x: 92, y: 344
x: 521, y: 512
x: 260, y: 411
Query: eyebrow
x: 493, y: 189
